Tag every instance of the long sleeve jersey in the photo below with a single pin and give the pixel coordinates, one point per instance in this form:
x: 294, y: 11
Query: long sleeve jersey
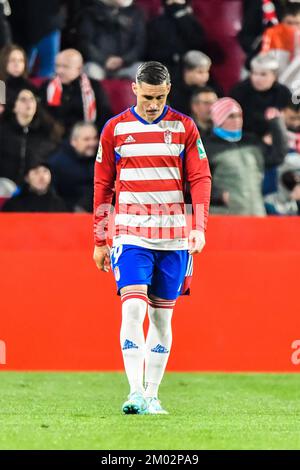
x: 147, y: 165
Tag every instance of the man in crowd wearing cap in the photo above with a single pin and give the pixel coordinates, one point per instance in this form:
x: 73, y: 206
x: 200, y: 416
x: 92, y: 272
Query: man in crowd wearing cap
x: 36, y: 193
x: 237, y: 161
x: 195, y: 75
x: 259, y: 92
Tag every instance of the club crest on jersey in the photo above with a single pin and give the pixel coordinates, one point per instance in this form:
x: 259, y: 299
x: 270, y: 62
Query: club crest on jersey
x: 99, y: 154
x: 168, y: 136
x: 117, y: 273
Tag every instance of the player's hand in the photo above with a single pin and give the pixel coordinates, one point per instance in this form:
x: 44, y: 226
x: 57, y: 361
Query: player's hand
x: 196, y: 241
x: 102, y: 258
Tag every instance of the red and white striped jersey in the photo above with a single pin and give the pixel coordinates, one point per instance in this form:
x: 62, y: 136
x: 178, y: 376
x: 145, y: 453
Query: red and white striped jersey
x: 147, y: 165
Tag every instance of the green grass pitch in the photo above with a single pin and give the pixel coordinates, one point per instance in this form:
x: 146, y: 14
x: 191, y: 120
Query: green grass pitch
x: 207, y: 411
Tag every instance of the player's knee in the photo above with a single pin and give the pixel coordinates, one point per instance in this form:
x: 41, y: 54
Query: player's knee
x: 161, y: 321
x: 133, y: 313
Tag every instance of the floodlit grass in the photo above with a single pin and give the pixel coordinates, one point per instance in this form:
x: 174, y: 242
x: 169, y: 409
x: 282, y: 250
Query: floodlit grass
x: 207, y: 411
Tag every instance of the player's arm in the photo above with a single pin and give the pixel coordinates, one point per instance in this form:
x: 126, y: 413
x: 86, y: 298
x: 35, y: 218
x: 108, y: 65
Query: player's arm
x: 104, y: 180
x: 197, y: 172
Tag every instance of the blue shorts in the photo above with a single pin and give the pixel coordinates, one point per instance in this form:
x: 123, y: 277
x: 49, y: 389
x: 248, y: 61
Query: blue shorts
x: 163, y: 271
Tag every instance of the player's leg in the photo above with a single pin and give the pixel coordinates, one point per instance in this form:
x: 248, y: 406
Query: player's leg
x: 134, y: 308
x: 158, y: 347
x: 133, y: 268
x: 166, y: 286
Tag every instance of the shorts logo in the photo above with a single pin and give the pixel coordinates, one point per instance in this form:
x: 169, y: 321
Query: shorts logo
x: 201, y: 150
x: 99, y: 154
x: 168, y: 136
x: 117, y: 273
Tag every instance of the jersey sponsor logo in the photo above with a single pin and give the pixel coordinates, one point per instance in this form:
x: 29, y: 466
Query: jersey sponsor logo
x: 99, y: 154
x: 168, y: 136
x: 129, y: 140
x: 201, y: 150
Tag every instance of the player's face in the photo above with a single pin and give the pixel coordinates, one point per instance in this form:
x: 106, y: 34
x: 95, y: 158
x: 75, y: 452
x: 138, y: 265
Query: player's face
x: 151, y: 99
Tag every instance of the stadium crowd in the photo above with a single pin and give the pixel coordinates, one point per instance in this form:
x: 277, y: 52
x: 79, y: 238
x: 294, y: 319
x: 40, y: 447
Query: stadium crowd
x: 65, y: 65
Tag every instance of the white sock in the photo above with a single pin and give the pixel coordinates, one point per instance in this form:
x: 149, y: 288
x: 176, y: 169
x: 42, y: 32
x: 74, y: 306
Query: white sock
x: 134, y: 308
x: 158, y: 343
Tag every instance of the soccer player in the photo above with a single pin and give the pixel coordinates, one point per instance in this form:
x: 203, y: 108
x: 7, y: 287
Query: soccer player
x: 146, y: 155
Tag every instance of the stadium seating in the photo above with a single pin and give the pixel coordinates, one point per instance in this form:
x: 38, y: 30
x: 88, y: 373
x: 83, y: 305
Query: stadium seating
x: 221, y: 21
x: 119, y: 93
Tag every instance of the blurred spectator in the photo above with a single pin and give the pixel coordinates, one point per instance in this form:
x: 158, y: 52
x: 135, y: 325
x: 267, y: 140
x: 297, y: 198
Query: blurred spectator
x: 150, y: 9
x: 36, y: 193
x: 237, y: 162
x: 7, y: 188
x: 5, y: 33
x: 173, y: 33
x: 291, y: 116
x: 195, y: 74
x: 260, y: 92
x: 72, y: 168
x: 201, y: 103
x: 36, y: 26
x: 286, y: 200
x: 111, y: 38
x: 257, y: 16
x: 13, y: 71
x: 283, y: 40
x: 71, y: 96
x: 26, y: 132
x: 274, y: 142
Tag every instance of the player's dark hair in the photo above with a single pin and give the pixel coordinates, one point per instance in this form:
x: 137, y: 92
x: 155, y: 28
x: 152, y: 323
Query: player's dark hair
x: 153, y: 73
x: 291, y: 9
